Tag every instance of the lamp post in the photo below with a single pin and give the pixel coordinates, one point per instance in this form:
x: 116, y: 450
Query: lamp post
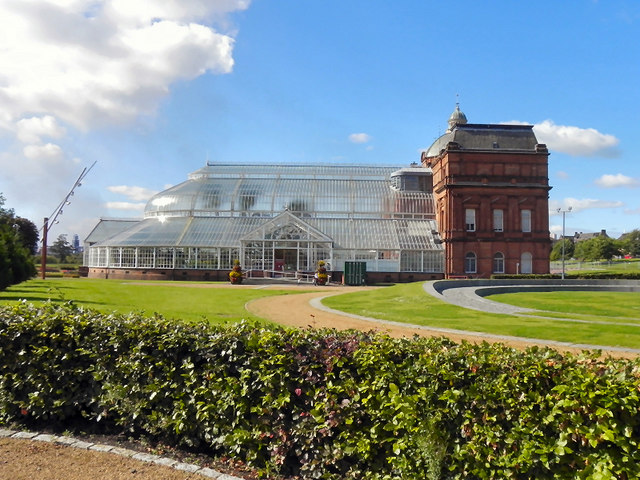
x: 563, y: 218
x: 53, y: 219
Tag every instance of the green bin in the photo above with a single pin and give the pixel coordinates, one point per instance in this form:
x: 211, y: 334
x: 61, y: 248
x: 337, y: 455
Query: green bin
x: 355, y: 273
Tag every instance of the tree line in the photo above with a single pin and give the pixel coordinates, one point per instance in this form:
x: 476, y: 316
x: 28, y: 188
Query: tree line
x: 598, y: 248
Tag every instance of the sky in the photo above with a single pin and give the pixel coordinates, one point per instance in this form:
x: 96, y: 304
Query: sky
x: 151, y: 90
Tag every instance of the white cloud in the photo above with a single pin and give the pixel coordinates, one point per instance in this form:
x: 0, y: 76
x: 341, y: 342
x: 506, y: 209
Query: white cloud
x: 578, y: 205
x: 90, y: 62
x: 576, y: 141
x: 359, y: 138
x: 619, y: 180
x: 133, y: 192
x: 69, y: 66
x: 30, y: 130
x: 128, y: 206
x: 49, y: 151
x: 562, y: 175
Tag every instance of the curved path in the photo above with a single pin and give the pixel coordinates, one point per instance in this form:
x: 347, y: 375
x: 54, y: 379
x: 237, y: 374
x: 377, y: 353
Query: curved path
x: 306, y: 310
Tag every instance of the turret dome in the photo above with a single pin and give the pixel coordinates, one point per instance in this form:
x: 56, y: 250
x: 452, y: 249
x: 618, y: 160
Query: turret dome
x: 457, y: 118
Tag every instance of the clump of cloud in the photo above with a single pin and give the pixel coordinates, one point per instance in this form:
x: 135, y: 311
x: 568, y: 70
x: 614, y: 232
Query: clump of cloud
x: 360, y: 138
x: 580, y: 204
x: 576, y: 141
x: 616, y: 181
x: 69, y: 66
x: 136, y: 195
x: 94, y: 62
x: 133, y: 192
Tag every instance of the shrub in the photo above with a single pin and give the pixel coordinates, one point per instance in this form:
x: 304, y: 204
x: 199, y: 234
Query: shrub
x: 325, y: 404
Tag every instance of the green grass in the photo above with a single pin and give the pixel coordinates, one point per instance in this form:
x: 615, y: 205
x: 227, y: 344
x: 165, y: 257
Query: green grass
x: 613, y: 266
x: 180, y: 300
x: 604, y: 306
x: 408, y: 303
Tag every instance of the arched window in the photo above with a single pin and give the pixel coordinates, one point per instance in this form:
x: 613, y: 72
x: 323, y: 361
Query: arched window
x: 525, y: 263
x: 498, y: 263
x: 470, y: 263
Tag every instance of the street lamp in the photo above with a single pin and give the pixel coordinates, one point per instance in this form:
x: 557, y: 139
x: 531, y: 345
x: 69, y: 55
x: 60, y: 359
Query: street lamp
x: 53, y: 219
x: 563, y: 214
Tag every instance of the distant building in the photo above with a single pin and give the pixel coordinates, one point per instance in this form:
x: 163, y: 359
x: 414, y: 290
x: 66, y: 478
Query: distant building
x: 477, y: 206
x: 581, y: 237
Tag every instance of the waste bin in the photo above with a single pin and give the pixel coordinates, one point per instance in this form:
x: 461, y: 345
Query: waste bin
x: 355, y: 273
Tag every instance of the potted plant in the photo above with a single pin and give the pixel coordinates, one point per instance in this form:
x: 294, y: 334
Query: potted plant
x: 321, y: 277
x: 235, y: 275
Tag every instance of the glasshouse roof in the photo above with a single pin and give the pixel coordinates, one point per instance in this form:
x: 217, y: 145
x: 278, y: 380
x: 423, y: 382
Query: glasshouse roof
x: 369, y: 209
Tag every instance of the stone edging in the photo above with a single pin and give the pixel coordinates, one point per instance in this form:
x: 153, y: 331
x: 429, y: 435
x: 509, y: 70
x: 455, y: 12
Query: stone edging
x: 143, y: 457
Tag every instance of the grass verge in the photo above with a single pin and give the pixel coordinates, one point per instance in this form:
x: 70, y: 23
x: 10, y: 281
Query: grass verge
x: 409, y: 303
x: 181, y: 300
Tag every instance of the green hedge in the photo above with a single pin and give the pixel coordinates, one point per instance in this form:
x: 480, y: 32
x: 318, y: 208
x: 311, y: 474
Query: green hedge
x: 325, y: 404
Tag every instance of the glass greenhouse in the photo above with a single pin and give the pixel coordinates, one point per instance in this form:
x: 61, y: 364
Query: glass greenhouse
x: 281, y: 218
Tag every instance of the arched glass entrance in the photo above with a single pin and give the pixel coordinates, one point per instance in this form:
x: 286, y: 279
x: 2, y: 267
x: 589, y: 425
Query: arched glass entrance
x: 285, y: 243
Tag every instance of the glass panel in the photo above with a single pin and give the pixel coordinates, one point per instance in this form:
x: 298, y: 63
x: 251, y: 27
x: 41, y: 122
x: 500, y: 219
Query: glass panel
x: 208, y: 258
x: 526, y: 220
x: 164, y: 257
x: 470, y: 263
x: 525, y: 263
x: 470, y: 220
x: 497, y: 220
x: 146, y: 257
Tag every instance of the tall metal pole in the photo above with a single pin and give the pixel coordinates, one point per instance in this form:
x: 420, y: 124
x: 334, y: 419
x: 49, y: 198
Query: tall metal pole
x: 52, y: 219
x: 43, y: 258
x: 563, y: 239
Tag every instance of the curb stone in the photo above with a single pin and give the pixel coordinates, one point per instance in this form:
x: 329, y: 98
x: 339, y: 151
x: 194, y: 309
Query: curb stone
x: 143, y: 457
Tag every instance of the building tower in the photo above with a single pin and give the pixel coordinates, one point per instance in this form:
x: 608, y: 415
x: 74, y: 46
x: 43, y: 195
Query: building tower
x: 491, y: 189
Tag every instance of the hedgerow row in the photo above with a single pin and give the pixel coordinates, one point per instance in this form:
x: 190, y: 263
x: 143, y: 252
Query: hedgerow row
x: 325, y: 404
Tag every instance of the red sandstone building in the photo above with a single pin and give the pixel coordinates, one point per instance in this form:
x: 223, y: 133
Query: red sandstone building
x: 490, y: 185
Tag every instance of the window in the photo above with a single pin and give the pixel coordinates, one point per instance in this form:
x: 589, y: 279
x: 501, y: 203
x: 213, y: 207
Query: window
x: 470, y: 220
x: 525, y: 263
x: 470, y: 263
x: 526, y: 220
x: 498, y: 220
x: 498, y: 263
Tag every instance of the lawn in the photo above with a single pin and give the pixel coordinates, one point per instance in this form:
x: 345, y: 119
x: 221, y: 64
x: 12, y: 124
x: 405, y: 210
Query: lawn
x: 603, y: 306
x: 408, y: 303
x: 181, y: 300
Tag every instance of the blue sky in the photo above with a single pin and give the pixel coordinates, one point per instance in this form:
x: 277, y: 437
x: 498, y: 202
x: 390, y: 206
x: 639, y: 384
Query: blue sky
x: 152, y: 90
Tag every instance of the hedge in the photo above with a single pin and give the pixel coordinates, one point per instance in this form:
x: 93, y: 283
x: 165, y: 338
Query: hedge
x: 322, y: 403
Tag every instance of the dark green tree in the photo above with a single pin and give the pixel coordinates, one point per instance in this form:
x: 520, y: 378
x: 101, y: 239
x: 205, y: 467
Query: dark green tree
x: 598, y: 248
x: 556, y: 251
x: 28, y: 234
x: 631, y: 243
x: 16, y: 261
x: 62, y: 248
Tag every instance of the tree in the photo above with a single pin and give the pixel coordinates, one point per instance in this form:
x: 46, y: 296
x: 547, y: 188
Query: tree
x: 598, y: 248
x: 62, y: 248
x: 631, y: 243
x: 27, y: 233
x: 16, y: 261
x: 556, y: 251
